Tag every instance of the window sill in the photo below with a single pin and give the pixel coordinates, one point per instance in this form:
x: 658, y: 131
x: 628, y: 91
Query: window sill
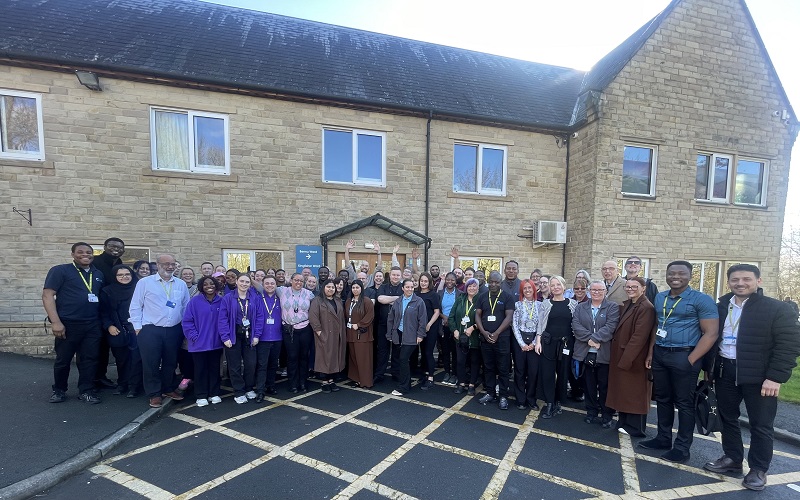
x: 738, y: 206
x: 352, y: 187
x: 635, y: 196
x: 148, y: 172
x: 486, y: 197
x: 32, y: 163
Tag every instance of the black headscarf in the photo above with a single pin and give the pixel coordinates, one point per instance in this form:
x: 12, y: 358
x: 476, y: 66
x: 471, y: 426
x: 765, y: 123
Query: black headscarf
x: 116, y: 291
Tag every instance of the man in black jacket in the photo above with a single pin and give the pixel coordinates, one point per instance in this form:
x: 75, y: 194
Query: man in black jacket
x: 113, y: 249
x: 759, y: 341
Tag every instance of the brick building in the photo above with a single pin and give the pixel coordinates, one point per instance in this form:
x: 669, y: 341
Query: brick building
x: 227, y: 134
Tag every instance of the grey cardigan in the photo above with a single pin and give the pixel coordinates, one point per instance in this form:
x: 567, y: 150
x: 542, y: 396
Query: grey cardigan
x: 600, y: 330
x: 415, y: 320
x: 544, y: 313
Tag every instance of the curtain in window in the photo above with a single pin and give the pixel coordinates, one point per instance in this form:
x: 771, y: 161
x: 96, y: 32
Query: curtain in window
x: 172, y: 140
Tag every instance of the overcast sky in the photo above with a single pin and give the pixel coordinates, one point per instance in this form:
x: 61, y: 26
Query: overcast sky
x: 571, y: 33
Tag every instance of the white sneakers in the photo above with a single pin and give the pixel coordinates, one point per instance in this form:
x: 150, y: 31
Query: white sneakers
x: 201, y: 402
x: 240, y: 400
x: 215, y: 400
x: 396, y: 393
x: 251, y: 395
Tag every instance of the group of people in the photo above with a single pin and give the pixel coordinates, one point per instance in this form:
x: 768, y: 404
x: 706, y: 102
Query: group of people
x: 614, y: 343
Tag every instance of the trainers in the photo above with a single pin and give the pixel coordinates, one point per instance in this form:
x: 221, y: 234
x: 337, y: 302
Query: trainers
x: 155, y: 402
x: 460, y: 389
x: 251, y: 395
x: 486, y: 399
x: 453, y: 380
x: 283, y: 373
x: 396, y: 393
x: 184, y: 384
x: 471, y: 391
x: 326, y: 388
x: 201, y: 402
x: 503, y: 404
x: 215, y: 400
x: 240, y: 400
x: 89, y: 398
x: 58, y: 397
x: 173, y: 395
x: 427, y: 384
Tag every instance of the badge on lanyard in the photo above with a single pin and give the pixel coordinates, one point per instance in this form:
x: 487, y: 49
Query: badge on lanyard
x: 349, y: 326
x: 245, y: 322
x: 171, y: 304
x: 93, y: 298
x: 270, y: 321
x: 491, y: 318
x: 661, y: 333
x: 465, y: 320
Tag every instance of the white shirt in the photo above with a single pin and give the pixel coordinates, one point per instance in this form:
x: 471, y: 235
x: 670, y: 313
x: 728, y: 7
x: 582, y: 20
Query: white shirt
x: 149, y: 302
x: 730, y: 330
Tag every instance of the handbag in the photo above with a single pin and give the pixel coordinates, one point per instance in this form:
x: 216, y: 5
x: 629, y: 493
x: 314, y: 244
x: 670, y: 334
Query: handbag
x: 705, y: 409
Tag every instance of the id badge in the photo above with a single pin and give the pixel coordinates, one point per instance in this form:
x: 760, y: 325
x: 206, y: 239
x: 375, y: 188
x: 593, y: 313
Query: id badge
x: 730, y: 340
x: 565, y: 351
x: 661, y: 333
x: 245, y: 322
x: 465, y: 320
x: 93, y: 298
x: 270, y: 321
x: 349, y: 326
x: 491, y: 318
x: 171, y: 304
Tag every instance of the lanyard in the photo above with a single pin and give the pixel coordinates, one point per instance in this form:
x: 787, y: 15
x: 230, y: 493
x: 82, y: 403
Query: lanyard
x: 350, y: 312
x: 296, y: 300
x: 529, y: 312
x: 274, y: 303
x: 169, y: 293
x: 244, y: 307
x: 468, y: 307
x: 88, y: 284
x: 734, y: 326
x: 492, y: 306
x: 664, y: 310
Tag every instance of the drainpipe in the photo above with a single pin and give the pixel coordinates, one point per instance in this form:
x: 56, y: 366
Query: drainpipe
x: 566, y: 200
x: 427, y: 181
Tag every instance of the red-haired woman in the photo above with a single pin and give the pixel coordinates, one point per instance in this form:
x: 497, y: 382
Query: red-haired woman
x: 526, y: 360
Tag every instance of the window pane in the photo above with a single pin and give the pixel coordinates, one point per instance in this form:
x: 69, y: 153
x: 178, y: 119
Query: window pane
x: 338, y: 156
x: 489, y: 264
x: 209, y: 141
x: 370, y: 157
x: 267, y: 260
x: 637, y: 170
x: 710, y: 277
x: 721, y: 166
x: 238, y: 261
x: 172, y: 140
x: 749, y: 182
x: 492, y: 172
x: 701, y: 186
x: 20, y: 124
x: 465, y: 168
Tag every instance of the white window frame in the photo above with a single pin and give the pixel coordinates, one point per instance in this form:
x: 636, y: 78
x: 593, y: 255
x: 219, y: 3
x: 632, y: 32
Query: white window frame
x: 479, y: 189
x: 193, y: 167
x: 764, y: 182
x: 721, y: 279
x: 711, y: 179
x: 653, y: 168
x: 354, y: 133
x: 621, y: 266
x: 22, y: 155
x: 252, y: 253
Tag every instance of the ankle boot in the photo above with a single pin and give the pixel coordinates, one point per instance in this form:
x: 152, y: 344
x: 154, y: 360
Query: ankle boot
x: 548, y: 411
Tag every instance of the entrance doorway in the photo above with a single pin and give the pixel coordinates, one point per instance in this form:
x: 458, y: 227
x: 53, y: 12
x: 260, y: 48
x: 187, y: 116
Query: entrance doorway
x: 371, y: 258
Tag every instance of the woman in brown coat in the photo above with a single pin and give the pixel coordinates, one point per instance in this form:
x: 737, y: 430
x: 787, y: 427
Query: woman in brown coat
x: 631, y: 351
x: 326, y: 315
x: 360, y: 313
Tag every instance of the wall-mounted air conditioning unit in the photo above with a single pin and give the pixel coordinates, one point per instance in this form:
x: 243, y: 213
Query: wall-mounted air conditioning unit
x: 549, y: 231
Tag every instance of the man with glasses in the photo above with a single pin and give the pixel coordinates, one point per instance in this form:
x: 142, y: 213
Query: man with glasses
x: 544, y: 288
x: 633, y: 266
x: 615, y: 284
x: 157, y: 308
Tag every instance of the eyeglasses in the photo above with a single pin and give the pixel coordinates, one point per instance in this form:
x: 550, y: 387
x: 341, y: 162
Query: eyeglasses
x: 126, y: 275
x: 596, y: 290
x: 631, y: 288
x: 576, y: 288
x: 634, y: 262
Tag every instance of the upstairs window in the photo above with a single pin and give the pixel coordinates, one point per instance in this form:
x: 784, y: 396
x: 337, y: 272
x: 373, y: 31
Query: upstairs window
x: 751, y: 182
x: 479, y: 169
x: 21, y: 135
x: 189, y: 141
x: 354, y: 157
x: 718, y: 181
x: 713, y: 177
x: 639, y: 170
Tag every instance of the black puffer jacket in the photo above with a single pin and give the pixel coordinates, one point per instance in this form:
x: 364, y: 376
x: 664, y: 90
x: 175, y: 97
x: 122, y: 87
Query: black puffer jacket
x: 768, y: 341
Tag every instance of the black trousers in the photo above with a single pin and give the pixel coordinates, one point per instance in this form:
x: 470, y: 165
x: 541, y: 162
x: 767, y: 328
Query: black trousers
x: 404, y: 367
x: 122, y: 356
x: 241, y: 358
x: 760, y: 410
x: 383, y: 352
x: 134, y: 381
x: 448, y: 353
x: 185, y: 363
x: 159, y: 346
x: 206, y: 373
x: 428, y: 345
x: 267, y: 354
x: 526, y: 374
x: 674, y: 384
x: 595, y: 383
x: 83, y: 339
x: 103, y: 358
x: 297, y: 345
x: 471, y: 356
x: 554, y: 371
x: 496, y: 360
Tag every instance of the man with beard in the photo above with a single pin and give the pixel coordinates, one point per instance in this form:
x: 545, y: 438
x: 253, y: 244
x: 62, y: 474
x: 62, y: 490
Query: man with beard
x: 493, y: 314
x: 363, y: 266
x: 633, y: 265
x: 113, y: 249
x: 387, y: 294
x: 511, y: 284
x: 438, y: 282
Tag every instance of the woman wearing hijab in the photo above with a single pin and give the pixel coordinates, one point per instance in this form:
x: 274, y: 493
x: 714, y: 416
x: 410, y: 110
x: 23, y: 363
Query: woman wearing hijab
x: 115, y: 300
x: 327, y: 317
x: 203, y: 341
x: 241, y: 323
x: 360, y: 316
